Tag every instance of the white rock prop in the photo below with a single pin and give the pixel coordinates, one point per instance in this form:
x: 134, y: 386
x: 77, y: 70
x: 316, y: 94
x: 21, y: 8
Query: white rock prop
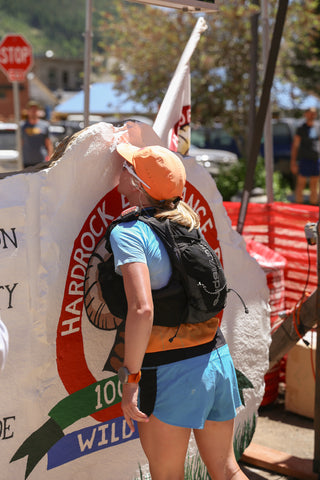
x: 60, y: 413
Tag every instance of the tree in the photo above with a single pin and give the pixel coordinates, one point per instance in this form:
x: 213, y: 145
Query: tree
x: 56, y: 25
x: 148, y: 42
x: 299, y: 61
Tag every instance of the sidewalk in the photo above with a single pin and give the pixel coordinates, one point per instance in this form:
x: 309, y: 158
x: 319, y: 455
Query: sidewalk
x: 282, y: 431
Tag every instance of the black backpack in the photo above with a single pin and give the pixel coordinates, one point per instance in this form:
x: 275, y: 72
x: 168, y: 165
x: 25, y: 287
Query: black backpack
x: 193, y: 261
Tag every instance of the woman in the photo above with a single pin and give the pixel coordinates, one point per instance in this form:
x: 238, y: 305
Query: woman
x: 305, y: 161
x: 198, y: 390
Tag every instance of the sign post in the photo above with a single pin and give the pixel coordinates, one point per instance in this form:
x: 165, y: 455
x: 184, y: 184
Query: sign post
x: 15, y: 61
x: 16, y: 107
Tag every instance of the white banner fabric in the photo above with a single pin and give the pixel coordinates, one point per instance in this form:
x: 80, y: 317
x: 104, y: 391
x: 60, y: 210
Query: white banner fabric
x: 172, y: 123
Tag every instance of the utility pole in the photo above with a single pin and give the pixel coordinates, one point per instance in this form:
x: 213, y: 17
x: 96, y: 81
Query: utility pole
x: 87, y: 62
x: 261, y: 114
x: 253, y: 78
x: 268, y: 143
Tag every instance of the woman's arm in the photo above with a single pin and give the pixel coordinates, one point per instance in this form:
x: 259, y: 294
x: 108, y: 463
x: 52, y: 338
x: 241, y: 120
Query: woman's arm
x: 139, y: 322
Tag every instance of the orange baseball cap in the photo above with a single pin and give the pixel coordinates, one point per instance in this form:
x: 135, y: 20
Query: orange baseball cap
x: 161, y: 169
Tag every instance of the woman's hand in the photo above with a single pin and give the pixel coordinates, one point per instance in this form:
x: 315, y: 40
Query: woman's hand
x: 129, y: 405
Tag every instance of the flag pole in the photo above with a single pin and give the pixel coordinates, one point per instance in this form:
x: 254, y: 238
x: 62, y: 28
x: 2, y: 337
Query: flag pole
x: 162, y: 124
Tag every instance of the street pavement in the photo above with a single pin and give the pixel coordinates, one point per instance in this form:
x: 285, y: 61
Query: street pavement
x: 282, y: 431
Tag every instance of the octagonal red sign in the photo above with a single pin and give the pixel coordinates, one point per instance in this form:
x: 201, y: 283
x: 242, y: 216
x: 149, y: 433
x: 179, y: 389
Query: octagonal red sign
x: 15, y: 57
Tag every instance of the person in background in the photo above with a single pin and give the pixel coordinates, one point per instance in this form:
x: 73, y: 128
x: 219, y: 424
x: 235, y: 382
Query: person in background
x: 36, y: 143
x: 4, y: 344
x: 169, y: 387
x: 305, y: 162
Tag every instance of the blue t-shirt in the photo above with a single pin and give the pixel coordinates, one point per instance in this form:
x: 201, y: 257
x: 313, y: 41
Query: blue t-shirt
x: 33, y: 142
x: 135, y: 241
x: 308, y: 148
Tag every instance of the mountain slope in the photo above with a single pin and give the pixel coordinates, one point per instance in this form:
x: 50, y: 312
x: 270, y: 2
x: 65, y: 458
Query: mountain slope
x: 56, y: 25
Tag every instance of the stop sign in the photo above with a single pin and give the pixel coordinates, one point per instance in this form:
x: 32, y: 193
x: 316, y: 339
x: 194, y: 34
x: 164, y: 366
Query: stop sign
x: 15, y: 57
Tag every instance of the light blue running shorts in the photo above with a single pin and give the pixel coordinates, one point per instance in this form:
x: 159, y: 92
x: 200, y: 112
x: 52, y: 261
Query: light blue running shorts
x: 189, y: 392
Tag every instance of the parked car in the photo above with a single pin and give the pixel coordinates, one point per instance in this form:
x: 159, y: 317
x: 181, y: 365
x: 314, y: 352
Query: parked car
x: 213, y: 147
x: 213, y: 159
x: 283, y: 132
x: 60, y: 130
x: 8, y: 147
x: 215, y: 138
x: 8, y: 142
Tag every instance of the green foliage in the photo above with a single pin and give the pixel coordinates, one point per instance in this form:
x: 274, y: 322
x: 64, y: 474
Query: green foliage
x: 194, y: 470
x: 148, y: 43
x: 244, y: 436
x: 57, y: 25
x: 230, y: 181
x: 300, y: 53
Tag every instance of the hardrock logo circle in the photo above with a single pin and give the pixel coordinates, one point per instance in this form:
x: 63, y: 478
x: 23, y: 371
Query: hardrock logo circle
x: 83, y: 303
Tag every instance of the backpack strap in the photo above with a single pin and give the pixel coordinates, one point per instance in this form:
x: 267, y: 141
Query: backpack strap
x: 164, y: 231
x: 127, y: 215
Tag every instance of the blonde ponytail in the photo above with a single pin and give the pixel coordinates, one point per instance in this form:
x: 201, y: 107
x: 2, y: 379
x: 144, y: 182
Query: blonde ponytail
x: 182, y: 214
x: 175, y: 210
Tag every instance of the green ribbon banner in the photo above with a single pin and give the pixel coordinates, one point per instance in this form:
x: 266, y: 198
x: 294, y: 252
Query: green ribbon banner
x: 80, y: 404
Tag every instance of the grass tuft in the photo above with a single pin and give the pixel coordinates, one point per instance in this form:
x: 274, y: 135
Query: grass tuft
x: 194, y: 470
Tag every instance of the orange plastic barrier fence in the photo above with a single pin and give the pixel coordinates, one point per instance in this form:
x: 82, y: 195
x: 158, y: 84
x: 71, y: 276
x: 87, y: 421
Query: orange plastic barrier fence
x: 280, y: 226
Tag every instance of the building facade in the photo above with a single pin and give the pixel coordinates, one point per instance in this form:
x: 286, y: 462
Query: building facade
x: 59, y: 74
x: 7, y: 99
x: 47, y: 82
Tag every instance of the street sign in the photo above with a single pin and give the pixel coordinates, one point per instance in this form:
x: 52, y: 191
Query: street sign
x: 184, y: 5
x: 15, y: 57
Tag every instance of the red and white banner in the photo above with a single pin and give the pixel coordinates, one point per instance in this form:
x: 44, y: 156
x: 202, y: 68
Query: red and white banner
x: 172, y: 123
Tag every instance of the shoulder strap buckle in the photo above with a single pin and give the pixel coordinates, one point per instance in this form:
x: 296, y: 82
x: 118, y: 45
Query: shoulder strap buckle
x: 130, y: 213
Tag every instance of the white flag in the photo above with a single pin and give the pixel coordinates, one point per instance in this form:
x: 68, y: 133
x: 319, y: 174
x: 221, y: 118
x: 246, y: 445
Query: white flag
x: 172, y: 124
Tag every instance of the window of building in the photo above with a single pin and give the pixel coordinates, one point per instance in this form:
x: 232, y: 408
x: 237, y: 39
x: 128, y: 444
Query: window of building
x: 65, y: 80
x: 52, y: 79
